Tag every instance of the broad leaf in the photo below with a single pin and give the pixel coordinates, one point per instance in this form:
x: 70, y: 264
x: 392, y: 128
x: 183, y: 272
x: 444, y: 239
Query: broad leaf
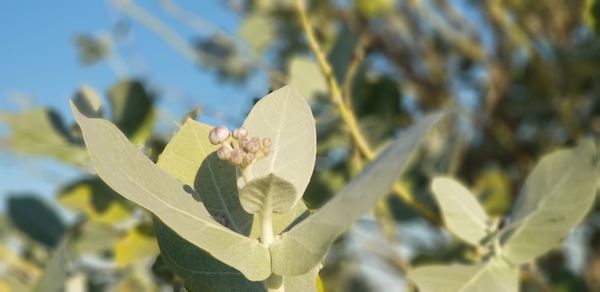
x: 96, y: 200
x: 36, y: 219
x: 269, y: 190
x: 303, y: 247
x: 126, y: 170
x: 306, y: 76
x: 191, y: 158
x: 284, y: 116
x: 257, y: 31
x: 556, y: 196
x: 42, y: 132
x: 493, y: 276
x: 131, y: 109
x: 463, y: 214
x: 282, y: 221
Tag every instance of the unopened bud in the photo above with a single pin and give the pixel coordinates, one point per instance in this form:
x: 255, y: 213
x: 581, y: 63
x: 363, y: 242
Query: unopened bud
x: 218, y: 135
x: 240, y: 133
x: 253, y: 146
x: 224, y: 152
x: 266, y: 143
x: 237, y: 157
x: 248, y: 158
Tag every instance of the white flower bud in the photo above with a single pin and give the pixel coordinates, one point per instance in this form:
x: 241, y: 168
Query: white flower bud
x: 248, y: 158
x: 240, y: 133
x: 253, y: 146
x: 224, y: 152
x: 218, y: 135
x: 266, y: 143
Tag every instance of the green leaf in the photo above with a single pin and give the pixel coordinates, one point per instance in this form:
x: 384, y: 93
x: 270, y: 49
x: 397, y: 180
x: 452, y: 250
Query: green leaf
x: 303, y: 247
x: 463, y: 214
x: 284, y: 116
x: 96, y: 200
x: 136, y: 244
x: 88, y: 101
x: 131, y: 108
x: 495, y: 275
x: 191, y: 158
x: 127, y: 171
x: 556, y: 196
x: 592, y: 15
x: 302, y: 283
x: 306, y: 76
x: 257, y: 31
x: 42, y: 132
x: 282, y: 221
x: 271, y: 190
x: 36, y: 219
x: 55, y: 273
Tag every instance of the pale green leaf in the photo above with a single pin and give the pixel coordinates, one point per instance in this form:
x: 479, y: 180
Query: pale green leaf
x: 271, y: 190
x: 257, y: 31
x: 126, y: 170
x: 493, y: 276
x: 462, y: 213
x: 556, y: 196
x: 303, y: 247
x: 42, y: 132
x: 55, y: 272
x: 284, y: 116
x: 191, y: 158
x: 282, y: 221
x: 306, y: 76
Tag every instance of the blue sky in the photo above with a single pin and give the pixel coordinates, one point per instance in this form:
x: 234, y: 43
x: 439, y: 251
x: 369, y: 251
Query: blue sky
x: 38, y: 61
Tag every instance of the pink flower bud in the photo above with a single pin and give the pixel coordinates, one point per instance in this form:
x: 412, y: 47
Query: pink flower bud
x: 218, y: 135
x: 240, y: 133
x: 253, y: 146
x: 266, y: 143
x: 237, y: 157
x: 248, y: 158
x: 224, y: 153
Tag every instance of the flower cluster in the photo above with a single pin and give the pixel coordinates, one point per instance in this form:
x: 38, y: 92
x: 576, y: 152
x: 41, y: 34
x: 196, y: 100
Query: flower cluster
x: 245, y: 151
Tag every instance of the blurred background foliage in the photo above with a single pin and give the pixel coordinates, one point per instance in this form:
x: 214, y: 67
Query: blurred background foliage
x: 521, y: 75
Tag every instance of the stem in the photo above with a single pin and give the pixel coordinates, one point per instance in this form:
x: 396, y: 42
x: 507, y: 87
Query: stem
x: 348, y: 116
x: 275, y: 282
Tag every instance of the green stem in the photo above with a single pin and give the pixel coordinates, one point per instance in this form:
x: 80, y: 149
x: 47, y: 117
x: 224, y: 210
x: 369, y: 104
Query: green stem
x: 275, y: 282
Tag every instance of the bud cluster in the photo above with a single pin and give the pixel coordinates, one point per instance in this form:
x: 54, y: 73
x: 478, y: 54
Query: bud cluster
x: 243, y: 153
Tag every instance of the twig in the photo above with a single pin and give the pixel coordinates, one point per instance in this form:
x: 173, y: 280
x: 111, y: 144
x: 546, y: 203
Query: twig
x: 348, y: 116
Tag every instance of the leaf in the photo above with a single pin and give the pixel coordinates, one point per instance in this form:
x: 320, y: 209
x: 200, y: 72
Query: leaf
x: 592, y: 15
x: 285, y: 117
x: 306, y: 76
x: 88, y: 101
x: 281, y: 221
x: 303, y: 247
x: 270, y: 190
x: 131, y: 109
x: 93, y: 238
x: 127, y: 171
x: 257, y: 31
x: 556, y: 196
x: 303, y: 283
x: 96, y: 200
x: 495, y: 275
x: 138, y: 243
x: 36, y: 219
x: 191, y: 158
x: 463, y: 214
x: 42, y: 132
x: 55, y: 274
x: 200, y: 271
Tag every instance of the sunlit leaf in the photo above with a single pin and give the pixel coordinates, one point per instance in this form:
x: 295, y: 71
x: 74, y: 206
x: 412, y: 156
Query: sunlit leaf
x: 42, y: 132
x: 303, y: 247
x: 556, y: 196
x: 493, y: 276
x: 138, y: 243
x: 463, y: 214
x: 257, y: 31
x: 269, y: 190
x: 96, y: 200
x: 55, y: 272
x: 131, y: 109
x: 88, y: 101
x: 306, y: 76
x: 284, y: 117
x: 125, y: 169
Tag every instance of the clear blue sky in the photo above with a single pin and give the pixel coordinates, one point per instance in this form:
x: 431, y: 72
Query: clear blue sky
x: 38, y: 59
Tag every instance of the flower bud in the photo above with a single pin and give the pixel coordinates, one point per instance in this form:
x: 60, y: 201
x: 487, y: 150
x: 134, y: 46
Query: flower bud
x: 248, y: 158
x: 218, y: 135
x: 237, y: 157
x: 266, y: 143
x: 240, y: 133
x: 253, y: 146
x: 224, y: 152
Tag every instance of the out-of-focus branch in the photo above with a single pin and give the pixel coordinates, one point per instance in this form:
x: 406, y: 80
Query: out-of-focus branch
x: 348, y: 116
